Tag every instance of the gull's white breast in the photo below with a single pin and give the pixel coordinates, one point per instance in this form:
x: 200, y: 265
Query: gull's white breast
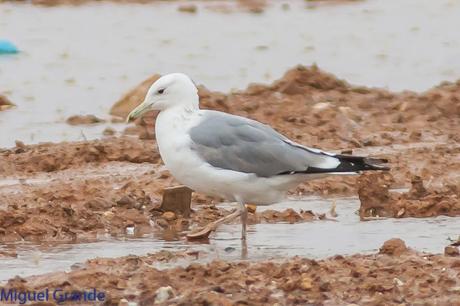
x: 174, y: 143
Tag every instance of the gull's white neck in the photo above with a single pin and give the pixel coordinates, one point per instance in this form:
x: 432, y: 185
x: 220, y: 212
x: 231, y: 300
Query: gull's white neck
x: 174, y: 121
x: 179, y: 113
x: 171, y: 132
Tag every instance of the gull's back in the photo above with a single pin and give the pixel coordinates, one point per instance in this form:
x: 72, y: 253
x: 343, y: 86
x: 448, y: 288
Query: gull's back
x: 236, y: 143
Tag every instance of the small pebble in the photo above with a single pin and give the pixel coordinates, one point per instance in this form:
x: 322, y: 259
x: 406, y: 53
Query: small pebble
x: 451, y: 251
x: 123, y: 302
x: 130, y: 230
x: 306, y: 283
x: 19, y: 144
x: 162, y: 223
x: 169, y: 216
x: 187, y: 8
x: 251, y: 208
x: 108, y: 131
x: 163, y: 294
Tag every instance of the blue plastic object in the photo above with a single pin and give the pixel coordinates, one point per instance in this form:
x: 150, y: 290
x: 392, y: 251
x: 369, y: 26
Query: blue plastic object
x: 7, y: 47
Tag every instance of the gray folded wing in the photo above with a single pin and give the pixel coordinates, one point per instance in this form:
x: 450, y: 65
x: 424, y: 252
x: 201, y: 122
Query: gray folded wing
x: 240, y: 144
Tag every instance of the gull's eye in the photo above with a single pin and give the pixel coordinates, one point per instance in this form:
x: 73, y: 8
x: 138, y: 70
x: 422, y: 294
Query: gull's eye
x: 161, y: 90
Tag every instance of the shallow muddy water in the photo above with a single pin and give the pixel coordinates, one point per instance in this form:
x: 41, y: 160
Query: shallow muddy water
x: 70, y: 67
x: 316, y: 239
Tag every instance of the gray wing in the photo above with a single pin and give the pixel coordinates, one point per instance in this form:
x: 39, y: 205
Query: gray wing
x: 240, y: 144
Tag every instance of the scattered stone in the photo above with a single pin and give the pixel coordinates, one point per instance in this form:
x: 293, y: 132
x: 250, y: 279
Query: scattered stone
x: 398, y: 282
x: 130, y: 230
x: 455, y: 242
x: 322, y: 106
x: 306, y: 283
x: 332, y: 211
x: 20, y: 147
x: 251, y: 208
x: 163, y: 294
x: 19, y: 144
x: 288, y: 215
x: 162, y: 223
x: 373, y: 195
x: 83, y: 119
x: 308, y: 215
x: 393, y: 247
x: 123, y: 302
x: 417, y: 190
x: 126, y: 201
x: 169, y: 216
x: 108, y: 131
x: 187, y: 8
x: 401, y: 213
x: 451, y: 251
x: 5, y: 103
x: 177, y: 199
x: 322, y: 216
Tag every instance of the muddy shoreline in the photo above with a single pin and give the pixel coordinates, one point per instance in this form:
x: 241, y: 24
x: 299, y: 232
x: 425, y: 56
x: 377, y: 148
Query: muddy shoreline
x: 188, y: 7
x: 395, y: 275
x: 117, y: 182
x: 76, y: 191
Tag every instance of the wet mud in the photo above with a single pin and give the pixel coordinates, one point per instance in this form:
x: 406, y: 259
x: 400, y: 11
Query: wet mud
x: 378, y: 201
x: 79, y: 206
x: 109, y: 185
x: 395, y: 275
x: 77, y: 191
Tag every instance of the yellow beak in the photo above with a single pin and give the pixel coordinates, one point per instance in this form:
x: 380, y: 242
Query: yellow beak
x: 138, y: 111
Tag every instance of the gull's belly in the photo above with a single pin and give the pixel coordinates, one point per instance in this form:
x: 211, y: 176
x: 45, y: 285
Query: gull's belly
x: 182, y: 164
x: 174, y: 145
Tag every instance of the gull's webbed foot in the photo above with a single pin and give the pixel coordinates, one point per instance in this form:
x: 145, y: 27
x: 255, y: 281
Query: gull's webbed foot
x: 208, y: 229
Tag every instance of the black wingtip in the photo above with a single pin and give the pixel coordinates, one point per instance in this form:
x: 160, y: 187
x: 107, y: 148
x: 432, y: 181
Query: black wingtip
x: 347, y: 164
x: 351, y: 163
x: 359, y: 163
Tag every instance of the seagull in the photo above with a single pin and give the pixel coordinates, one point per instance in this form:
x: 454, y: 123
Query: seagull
x: 233, y: 157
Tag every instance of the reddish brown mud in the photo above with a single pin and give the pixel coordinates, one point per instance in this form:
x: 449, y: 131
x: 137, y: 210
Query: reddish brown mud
x: 395, y: 276
x: 378, y: 201
x: 115, y: 183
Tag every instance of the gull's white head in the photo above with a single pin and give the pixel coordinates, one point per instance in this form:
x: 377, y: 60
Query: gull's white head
x: 171, y: 90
